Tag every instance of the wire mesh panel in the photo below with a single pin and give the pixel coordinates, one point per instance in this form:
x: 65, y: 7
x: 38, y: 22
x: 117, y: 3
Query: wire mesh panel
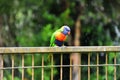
x: 46, y: 63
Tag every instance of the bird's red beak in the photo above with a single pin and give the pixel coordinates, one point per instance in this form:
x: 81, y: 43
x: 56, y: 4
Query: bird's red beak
x: 69, y: 33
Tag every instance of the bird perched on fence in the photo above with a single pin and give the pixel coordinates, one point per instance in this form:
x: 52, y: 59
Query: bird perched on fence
x: 59, y: 36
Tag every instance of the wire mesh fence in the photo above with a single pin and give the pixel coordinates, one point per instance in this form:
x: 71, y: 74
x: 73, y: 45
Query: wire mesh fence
x: 38, y: 63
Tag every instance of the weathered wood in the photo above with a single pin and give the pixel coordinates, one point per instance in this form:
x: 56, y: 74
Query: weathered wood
x: 1, y: 56
x: 1, y: 66
x: 59, y: 49
x: 1, y: 60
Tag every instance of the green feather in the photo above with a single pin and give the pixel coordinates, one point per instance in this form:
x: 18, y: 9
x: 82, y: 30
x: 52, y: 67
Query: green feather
x: 52, y: 41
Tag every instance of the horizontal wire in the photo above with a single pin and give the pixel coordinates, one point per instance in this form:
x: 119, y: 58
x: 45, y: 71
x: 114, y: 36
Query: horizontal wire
x: 25, y: 67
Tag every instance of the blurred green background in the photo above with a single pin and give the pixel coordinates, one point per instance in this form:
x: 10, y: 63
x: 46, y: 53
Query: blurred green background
x: 32, y: 22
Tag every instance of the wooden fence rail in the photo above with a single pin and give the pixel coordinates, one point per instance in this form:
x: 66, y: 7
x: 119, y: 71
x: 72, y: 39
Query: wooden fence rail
x: 59, y: 49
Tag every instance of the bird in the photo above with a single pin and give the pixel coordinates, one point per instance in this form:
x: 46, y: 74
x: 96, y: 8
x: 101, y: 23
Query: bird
x: 59, y: 36
x: 57, y: 40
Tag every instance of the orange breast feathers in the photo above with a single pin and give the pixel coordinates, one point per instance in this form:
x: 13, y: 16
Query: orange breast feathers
x: 60, y: 36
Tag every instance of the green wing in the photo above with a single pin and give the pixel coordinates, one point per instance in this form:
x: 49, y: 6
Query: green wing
x: 52, y: 41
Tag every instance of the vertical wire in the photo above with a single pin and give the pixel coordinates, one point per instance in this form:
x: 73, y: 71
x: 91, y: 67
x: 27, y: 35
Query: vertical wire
x: 97, y: 66
x: 61, y: 62
x: 70, y: 68
x: 12, y: 66
x: 88, y: 66
x: 52, y: 67
x: 106, y: 68
x: 22, y: 66
x: 42, y: 66
x: 115, y: 67
x: 32, y: 66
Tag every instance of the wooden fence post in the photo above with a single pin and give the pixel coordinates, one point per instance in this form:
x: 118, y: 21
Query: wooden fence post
x: 1, y: 62
x: 76, y: 56
x: 1, y: 44
x: 1, y: 66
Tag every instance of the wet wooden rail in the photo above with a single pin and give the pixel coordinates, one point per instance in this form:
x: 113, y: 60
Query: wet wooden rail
x: 59, y: 50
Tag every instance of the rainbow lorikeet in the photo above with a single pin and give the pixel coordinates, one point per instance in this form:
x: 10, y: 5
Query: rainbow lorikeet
x: 59, y: 36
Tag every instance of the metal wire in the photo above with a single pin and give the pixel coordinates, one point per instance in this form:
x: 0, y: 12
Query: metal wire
x: 12, y: 66
x: 42, y: 67
x: 97, y: 66
x: 106, y: 67
x: 115, y: 67
x: 32, y: 66
x: 92, y: 65
x: 70, y: 75
x: 61, y: 63
x: 51, y: 66
x: 22, y: 67
x: 88, y: 66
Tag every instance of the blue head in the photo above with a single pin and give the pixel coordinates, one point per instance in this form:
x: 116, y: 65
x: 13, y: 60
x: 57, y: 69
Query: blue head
x: 66, y: 30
